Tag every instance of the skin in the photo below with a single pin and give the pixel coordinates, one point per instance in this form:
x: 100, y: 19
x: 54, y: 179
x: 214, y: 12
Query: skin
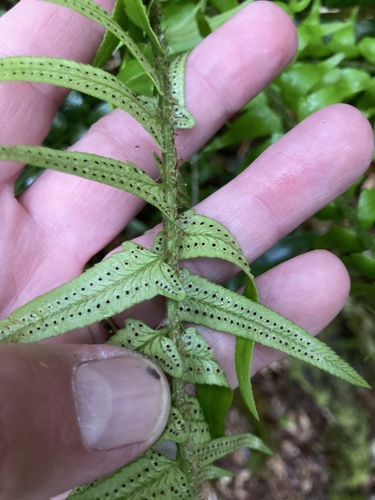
x: 53, y: 229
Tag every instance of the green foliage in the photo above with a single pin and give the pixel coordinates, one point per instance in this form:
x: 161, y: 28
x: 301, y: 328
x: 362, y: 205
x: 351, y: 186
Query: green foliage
x: 243, y: 358
x: 218, y: 397
x: 366, y: 208
x: 86, y: 79
x: 136, y: 12
x: 110, y: 41
x: 321, y: 75
x: 154, y: 343
x: 123, y: 175
x: 183, y: 118
x: 126, y: 278
x: 213, y: 306
x: 151, y: 476
x: 98, y: 14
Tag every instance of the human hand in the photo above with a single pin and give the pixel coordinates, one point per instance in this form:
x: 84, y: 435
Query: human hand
x: 61, y: 221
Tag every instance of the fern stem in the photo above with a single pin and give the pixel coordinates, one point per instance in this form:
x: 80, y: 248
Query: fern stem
x: 170, y: 171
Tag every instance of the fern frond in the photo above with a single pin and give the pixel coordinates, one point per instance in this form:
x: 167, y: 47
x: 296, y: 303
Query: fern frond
x: 181, y: 116
x: 177, y: 429
x: 86, y: 79
x: 138, y: 14
x: 153, y: 343
x: 213, y: 472
x: 218, y: 448
x: 200, y: 366
x: 122, y: 175
x: 151, y: 476
x: 126, y: 278
x: 213, y: 306
x: 93, y: 11
x: 110, y: 41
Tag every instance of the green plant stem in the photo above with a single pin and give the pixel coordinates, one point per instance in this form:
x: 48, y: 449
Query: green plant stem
x: 170, y: 171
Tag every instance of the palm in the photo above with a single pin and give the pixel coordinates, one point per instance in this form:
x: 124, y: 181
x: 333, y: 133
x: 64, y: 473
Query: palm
x: 61, y: 221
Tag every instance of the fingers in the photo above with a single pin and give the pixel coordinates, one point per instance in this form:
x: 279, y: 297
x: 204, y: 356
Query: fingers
x: 73, y: 413
x: 73, y: 218
x: 39, y: 28
x: 309, y: 289
x: 220, y: 78
x: 306, y: 169
x: 232, y: 66
x: 295, y: 177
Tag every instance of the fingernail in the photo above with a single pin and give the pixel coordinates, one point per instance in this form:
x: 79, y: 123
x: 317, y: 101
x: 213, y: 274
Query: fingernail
x: 120, y: 401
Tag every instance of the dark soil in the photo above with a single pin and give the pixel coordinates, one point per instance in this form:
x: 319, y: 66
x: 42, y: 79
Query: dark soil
x: 295, y: 427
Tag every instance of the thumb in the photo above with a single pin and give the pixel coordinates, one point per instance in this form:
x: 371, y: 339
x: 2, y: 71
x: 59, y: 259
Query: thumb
x: 72, y: 413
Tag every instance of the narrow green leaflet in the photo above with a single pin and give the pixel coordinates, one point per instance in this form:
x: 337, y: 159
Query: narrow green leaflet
x: 218, y: 448
x: 124, y: 279
x: 213, y: 306
x: 299, y: 5
x: 84, y: 78
x: 366, y: 207
x: 122, y: 175
x: 243, y: 357
x: 205, y: 237
x: 360, y: 263
x: 182, y: 118
x: 200, y: 366
x: 215, y: 402
x: 150, y: 476
x: 180, y: 25
x: 137, y: 13
x: 176, y: 429
x: 213, y: 472
x: 202, y: 23
x: 140, y: 337
x: 110, y: 41
x: 93, y: 11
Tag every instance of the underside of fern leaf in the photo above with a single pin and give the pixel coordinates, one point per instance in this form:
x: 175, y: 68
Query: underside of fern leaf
x: 151, y: 476
x: 126, y: 278
x: 83, y: 78
x: 123, y: 175
x: 135, y: 274
x: 211, y: 305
